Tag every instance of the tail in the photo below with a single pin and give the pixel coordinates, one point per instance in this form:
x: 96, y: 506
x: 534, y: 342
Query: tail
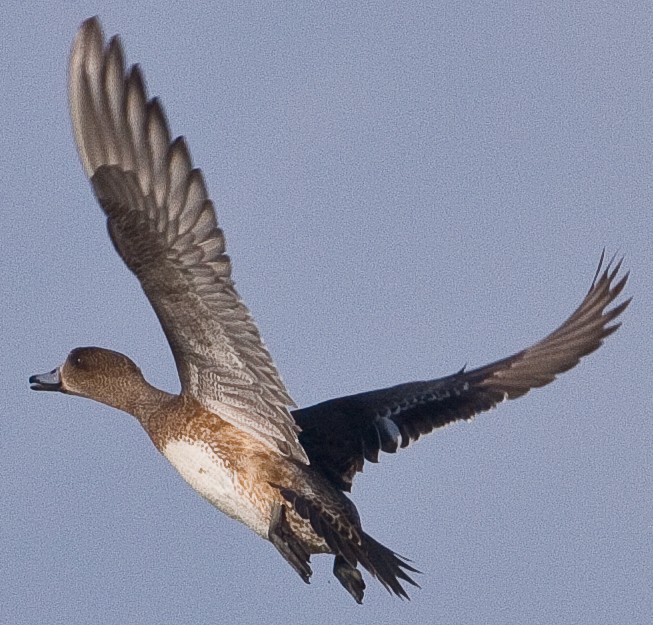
x: 388, y: 567
x: 340, y: 528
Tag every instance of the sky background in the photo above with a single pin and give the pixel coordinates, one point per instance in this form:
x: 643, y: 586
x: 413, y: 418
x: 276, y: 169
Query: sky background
x: 405, y: 188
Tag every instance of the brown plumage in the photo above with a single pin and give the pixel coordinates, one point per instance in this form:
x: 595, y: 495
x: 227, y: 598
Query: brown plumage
x: 230, y: 432
x: 163, y: 225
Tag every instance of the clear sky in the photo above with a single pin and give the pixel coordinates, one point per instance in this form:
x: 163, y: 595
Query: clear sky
x: 405, y: 188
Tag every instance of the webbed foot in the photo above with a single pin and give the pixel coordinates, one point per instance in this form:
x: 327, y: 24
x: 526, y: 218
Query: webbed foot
x: 350, y: 577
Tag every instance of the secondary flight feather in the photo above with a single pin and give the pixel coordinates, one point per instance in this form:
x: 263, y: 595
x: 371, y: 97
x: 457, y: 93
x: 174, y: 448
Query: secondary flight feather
x: 231, y: 433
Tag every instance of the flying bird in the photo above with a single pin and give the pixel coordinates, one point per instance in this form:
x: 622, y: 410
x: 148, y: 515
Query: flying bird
x: 231, y: 433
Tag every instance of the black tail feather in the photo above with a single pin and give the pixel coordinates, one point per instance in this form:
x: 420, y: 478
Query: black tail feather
x: 386, y: 566
x: 350, y: 545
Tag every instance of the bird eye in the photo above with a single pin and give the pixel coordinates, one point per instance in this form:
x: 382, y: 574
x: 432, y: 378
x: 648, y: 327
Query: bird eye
x: 77, y: 360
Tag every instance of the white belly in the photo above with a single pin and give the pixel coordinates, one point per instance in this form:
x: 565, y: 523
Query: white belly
x: 214, y: 480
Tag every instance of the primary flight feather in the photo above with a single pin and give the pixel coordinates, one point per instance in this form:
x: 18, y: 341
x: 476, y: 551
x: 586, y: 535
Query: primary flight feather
x: 231, y: 432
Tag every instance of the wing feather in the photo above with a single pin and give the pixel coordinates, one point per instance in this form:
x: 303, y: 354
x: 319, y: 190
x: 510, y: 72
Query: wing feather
x: 340, y: 434
x: 163, y: 224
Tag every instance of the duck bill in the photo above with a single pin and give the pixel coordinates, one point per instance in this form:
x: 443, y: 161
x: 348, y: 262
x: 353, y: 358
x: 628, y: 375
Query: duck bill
x: 50, y: 381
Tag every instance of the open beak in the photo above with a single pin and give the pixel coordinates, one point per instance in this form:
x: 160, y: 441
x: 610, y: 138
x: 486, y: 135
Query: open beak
x: 46, y: 381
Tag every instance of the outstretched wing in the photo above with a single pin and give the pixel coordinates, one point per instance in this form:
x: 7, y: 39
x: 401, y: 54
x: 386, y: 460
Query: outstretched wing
x: 340, y: 434
x: 164, y: 227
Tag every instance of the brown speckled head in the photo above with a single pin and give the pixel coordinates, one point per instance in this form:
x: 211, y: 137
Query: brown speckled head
x: 230, y: 433
x: 99, y: 374
x: 105, y: 376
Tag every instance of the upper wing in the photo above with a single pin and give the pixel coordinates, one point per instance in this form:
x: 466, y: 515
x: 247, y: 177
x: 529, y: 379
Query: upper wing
x: 340, y: 434
x: 163, y: 225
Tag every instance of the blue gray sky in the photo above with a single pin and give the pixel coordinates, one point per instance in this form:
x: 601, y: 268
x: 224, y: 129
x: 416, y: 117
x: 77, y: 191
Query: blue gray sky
x: 405, y: 188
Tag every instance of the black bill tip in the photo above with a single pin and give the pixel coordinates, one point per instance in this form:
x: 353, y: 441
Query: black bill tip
x: 50, y: 381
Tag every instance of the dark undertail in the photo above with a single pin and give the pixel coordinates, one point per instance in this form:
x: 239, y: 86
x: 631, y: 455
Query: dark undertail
x: 386, y: 566
x: 351, y: 546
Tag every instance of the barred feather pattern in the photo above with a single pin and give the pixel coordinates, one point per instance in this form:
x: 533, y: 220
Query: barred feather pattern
x: 163, y: 225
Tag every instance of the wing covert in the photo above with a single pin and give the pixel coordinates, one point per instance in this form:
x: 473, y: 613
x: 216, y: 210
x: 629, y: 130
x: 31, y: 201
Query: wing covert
x: 163, y: 224
x: 340, y: 434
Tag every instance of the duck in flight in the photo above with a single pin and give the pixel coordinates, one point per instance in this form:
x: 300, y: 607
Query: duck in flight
x: 231, y: 432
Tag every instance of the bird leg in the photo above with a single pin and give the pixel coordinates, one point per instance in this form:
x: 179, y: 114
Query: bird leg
x: 350, y: 577
x: 287, y: 544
